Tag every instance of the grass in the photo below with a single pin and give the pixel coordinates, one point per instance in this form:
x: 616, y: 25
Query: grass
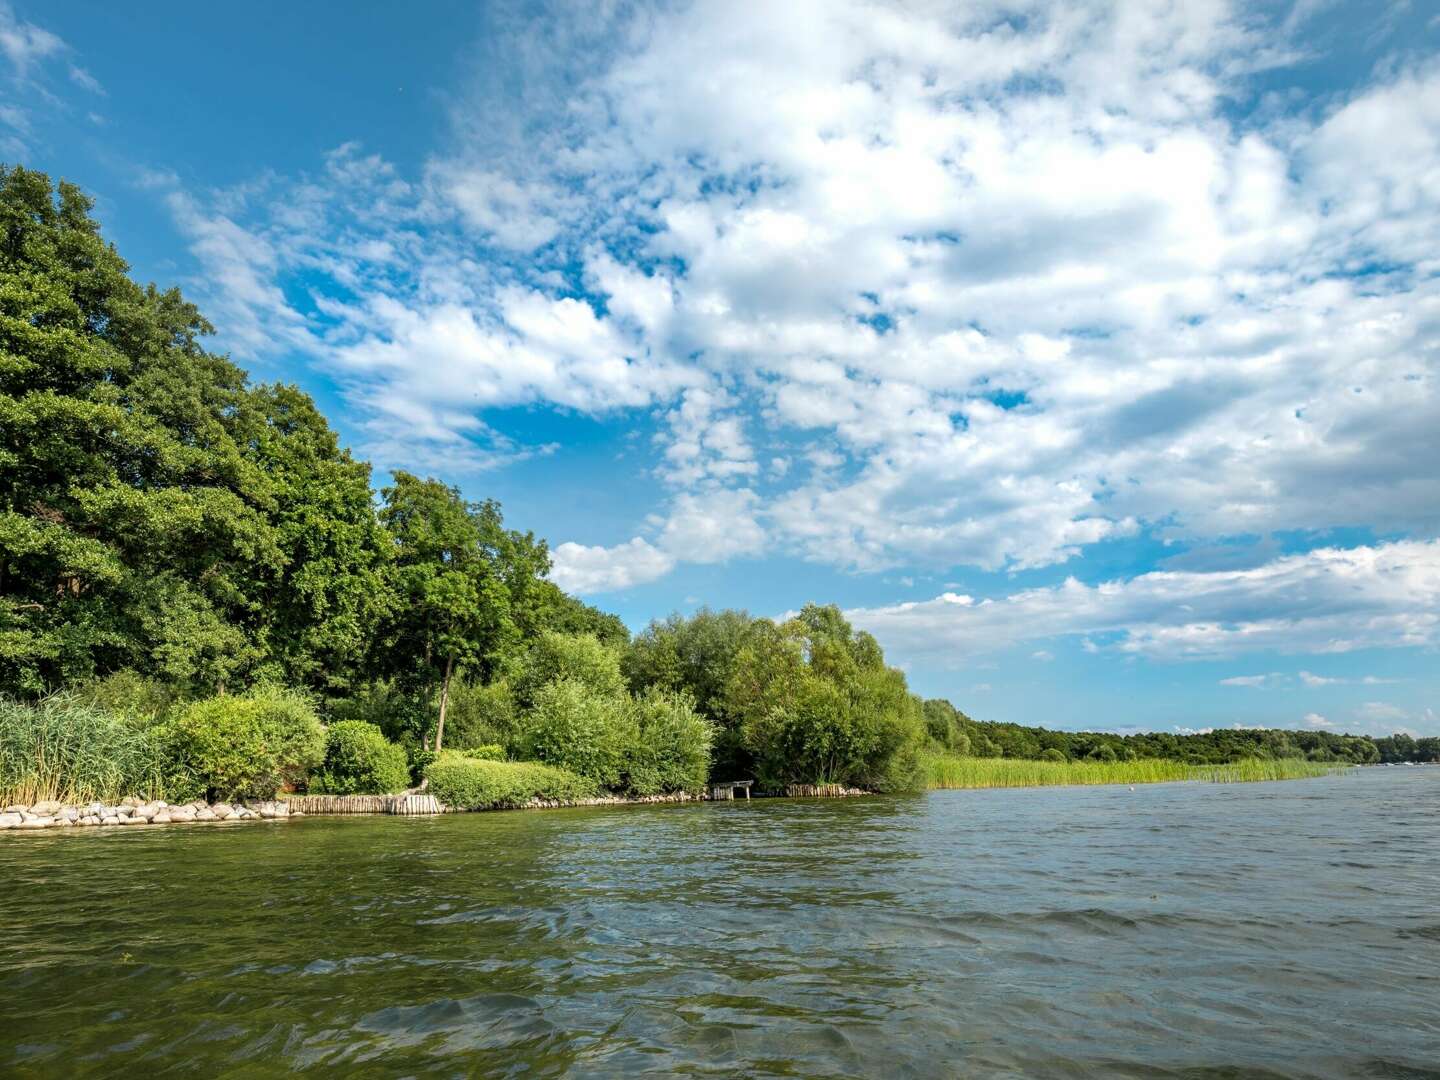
x: 64, y: 750
x: 952, y: 771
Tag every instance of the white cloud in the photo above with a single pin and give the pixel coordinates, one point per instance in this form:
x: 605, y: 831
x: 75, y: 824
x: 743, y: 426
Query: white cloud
x: 24, y: 44
x: 1252, y: 681
x: 1312, y: 680
x: 1330, y: 600
x: 586, y: 570
x: 1315, y: 720
x: 1001, y: 325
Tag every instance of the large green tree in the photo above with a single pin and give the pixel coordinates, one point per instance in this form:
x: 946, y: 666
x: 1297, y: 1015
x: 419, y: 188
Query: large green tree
x: 156, y: 511
x: 463, y: 588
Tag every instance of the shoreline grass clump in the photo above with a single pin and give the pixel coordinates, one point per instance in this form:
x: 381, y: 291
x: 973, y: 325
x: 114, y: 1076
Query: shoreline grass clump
x: 65, y: 750
x: 953, y: 771
x: 467, y: 783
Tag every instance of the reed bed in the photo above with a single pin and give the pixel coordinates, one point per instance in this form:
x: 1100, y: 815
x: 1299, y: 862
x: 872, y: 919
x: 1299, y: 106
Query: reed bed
x: 64, y: 750
x: 952, y: 771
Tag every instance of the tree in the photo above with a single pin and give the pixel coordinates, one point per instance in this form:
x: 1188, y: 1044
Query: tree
x: 461, y: 586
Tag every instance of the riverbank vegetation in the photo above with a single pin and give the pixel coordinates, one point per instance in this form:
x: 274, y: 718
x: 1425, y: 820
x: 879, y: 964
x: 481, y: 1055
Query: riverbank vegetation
x: 952, y: 771
x: 203, y: 595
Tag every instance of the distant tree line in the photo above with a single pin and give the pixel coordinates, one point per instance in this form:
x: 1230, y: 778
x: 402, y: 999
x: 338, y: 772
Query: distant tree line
x: 951, y: 728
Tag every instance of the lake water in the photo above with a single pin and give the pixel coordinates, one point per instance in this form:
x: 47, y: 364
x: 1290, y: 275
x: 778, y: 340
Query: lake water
x: 1288, y: 929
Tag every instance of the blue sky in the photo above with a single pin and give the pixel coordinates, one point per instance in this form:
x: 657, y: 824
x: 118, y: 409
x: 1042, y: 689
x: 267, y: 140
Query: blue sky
x: 1086, y: 353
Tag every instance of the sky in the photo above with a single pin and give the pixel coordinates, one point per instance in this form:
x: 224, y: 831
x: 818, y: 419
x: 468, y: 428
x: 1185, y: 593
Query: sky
x: 1088, y: 354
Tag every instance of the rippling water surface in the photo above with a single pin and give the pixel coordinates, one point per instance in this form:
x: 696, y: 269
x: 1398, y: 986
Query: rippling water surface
x: 1287, y: 929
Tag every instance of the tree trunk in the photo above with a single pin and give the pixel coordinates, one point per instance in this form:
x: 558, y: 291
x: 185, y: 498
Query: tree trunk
x: 444, y: 701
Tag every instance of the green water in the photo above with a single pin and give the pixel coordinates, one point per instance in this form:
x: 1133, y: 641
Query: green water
x: 1192, y: 930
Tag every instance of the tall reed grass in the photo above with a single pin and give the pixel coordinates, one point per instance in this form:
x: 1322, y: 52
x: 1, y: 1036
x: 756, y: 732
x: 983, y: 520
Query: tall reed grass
x: 952, y: 771
x: 68, y: 751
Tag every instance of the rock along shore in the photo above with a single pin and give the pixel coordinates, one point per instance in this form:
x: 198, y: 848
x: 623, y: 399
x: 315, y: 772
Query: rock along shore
x: 135, y: 811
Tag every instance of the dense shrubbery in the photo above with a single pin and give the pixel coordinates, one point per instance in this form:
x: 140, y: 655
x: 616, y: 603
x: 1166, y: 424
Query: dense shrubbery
x: 468, y: 783
x: 65, y: 749
x: 672, y: 744
x: 359, y: 760
x: 572, y: 727
x: 244, y: 746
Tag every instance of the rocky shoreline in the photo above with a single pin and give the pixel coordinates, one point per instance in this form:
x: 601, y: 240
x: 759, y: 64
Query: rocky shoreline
x: 135, y: 811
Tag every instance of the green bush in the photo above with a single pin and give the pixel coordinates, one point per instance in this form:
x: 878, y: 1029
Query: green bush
x: 129, y: 696
x: 246, y: 746
x: 579, y: 657
x: 1053, y: 755
x: 672, y: 745
x: 64, y: 749
x: 359, y: 760
x: 573, y: 727
x: 480, y: 715
x: 467, y: 783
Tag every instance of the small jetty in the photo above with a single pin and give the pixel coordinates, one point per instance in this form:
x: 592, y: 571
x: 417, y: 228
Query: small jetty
x: 726, y: 791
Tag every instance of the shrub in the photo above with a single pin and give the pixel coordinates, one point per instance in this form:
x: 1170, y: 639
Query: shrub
x: 129, y: 696
x: 480, y: 715
x: 579, y: 657
x: 467, y: 783
x: 63, y: 749
x: 359, y: 760
x: 672, y: 745
x: 1053, y: 755
x: 573, y: 727
x: 247, y: 746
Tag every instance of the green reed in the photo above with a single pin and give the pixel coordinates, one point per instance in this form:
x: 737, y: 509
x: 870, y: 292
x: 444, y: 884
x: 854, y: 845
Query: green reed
x: 64, y: 750
x: 952, y: 771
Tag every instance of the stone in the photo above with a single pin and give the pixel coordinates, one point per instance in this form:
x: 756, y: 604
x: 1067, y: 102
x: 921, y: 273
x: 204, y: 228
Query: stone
x: 205, y: 814
x: 70, y: 813
x: 131, y: 800
x: 222, y: 810
x: 162, y: 817
x: 148, y: 810
x: 182, y: 813
x: 48, y: 808
x: 15, y: 808
x: 88, y: 819
x: 36, y: 822
x: 111, y: 819
x: 135, y: 819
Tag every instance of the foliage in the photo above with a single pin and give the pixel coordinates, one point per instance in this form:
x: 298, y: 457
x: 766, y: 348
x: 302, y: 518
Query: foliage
x: 481, y: 715
x: 359, y: 760
x: 62, y: 748
x: 580, y: 657
x: 817, y: 705
x: 1212, y: 747
x: 245, y: 746
x: 157, y: 513
x: 464, y: 587
x: 128, y: 695
x: 573, y: 727
x: 467, y: 783
x: 672, y: 747
x: 951, y: 771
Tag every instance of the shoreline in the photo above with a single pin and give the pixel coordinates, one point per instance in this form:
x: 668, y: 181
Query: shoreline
x: 134, y: 812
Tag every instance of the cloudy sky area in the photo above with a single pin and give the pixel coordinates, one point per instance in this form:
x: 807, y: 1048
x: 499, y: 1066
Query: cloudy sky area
x: 1088, y: 354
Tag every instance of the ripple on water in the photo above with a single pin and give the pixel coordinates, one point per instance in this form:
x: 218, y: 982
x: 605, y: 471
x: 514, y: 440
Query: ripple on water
x: 1179, y: 930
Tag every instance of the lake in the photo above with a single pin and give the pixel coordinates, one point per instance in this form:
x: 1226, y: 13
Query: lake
x: 1280, y: 929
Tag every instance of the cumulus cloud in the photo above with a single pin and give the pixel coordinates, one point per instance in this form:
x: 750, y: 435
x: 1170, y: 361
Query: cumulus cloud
x: 586, y: 570
x: 1330, y: 600
x: 1001, y: 281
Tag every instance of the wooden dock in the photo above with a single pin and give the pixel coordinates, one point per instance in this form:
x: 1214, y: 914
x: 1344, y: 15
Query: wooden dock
x: 726, y: 791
